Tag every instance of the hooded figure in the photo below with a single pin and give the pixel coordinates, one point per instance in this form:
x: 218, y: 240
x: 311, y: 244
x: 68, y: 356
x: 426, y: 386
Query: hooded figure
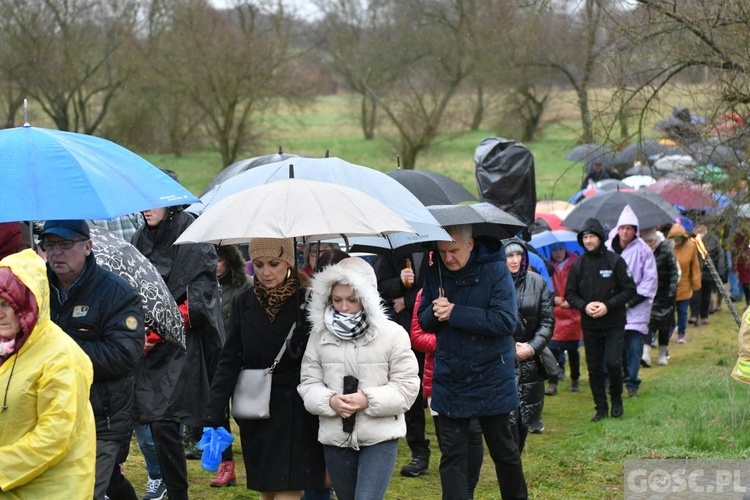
x: 359, y: 375
x: 625, y: 240
x: 640, y: 259
x: 690, y: 275
x: 47, y: 430
x: 380, y: 358
x: 600, y: 285
x: 536, y: 321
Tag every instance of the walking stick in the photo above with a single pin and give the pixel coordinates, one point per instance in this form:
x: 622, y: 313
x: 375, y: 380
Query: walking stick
x: 717, y: 279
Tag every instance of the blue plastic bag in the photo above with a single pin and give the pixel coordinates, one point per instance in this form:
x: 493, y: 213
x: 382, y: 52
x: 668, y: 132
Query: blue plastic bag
x: 213, y: 443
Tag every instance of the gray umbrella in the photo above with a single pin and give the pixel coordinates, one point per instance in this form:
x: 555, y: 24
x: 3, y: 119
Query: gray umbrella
x: 591, y: 153
x: 714, y: 154
x: 651, y: 209
x: 159, y: 307
x: 242, y: 165
x: 485, y: 219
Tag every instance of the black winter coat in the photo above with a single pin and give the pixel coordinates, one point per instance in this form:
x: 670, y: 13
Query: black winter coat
x: 104, y: 315
x: 281, y: 452
x: 668, y: 273
x: 173, y: 384
x: 600, y: 276
x: 718, y: 258
x: 536, y: 322
x: 388, y: 271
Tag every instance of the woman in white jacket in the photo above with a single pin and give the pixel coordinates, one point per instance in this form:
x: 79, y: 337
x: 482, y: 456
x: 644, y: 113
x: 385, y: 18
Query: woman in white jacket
x: 352, y: 337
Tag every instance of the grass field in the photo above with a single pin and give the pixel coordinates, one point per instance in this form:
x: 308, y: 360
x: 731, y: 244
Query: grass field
x: 689, y: 409
x: 327, y: 125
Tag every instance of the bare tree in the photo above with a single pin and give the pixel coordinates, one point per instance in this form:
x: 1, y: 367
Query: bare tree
x: 64, y: 55
x: 233, y: 65
x: 574, y: 36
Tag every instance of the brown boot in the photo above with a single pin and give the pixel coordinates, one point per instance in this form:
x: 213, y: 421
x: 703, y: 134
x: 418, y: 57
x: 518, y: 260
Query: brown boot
x: 574, y: 386
x: 226, y: 476
x: 551, y: 389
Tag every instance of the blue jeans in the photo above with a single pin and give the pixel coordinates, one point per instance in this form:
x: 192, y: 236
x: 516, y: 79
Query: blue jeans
x: 148, y: 449
x: 682, y: 315
x: 632, y: 351
x: 362, y: 474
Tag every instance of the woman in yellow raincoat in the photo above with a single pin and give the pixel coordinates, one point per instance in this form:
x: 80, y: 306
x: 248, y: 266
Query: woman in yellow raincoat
x: 47, y: 430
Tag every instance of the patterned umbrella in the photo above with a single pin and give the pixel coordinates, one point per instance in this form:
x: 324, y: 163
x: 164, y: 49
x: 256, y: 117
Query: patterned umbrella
x: 159, y: 307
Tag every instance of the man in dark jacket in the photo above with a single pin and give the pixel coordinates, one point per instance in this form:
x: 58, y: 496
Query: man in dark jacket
x: 600, y: 285
x: 103, y: 313
x: 469, y: 301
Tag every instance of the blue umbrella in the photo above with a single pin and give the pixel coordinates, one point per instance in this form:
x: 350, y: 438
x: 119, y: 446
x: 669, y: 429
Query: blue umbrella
x: 50, y: 174
x: 544, y: 241
x: 337, y: 171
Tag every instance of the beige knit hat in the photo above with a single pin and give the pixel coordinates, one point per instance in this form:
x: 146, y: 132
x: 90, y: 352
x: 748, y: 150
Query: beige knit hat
x: 282, y: 249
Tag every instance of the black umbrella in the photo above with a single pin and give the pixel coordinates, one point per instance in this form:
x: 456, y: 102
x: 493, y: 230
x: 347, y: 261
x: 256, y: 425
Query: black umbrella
x: 242, y: 165
x: 432, y: 188
x: 591, y: 153
x: 651, y: 209
x: 646, y: 151
x: 159, y: 307
x: 485, y: 219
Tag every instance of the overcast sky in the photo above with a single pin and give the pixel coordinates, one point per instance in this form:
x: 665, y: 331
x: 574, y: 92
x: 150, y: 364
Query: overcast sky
x: 301, y: 7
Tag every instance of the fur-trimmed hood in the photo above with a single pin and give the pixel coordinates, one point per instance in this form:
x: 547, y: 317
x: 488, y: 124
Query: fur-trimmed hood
x: 359, y: 275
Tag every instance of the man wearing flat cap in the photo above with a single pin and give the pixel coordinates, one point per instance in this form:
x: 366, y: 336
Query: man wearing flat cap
x: 103, y: 313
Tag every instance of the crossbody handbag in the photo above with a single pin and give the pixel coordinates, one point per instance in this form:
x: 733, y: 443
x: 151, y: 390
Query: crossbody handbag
x: 252, y: 393
x: 547, y: 364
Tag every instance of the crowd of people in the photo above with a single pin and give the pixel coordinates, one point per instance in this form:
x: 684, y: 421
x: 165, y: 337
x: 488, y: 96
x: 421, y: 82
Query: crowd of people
x: 360, y: 349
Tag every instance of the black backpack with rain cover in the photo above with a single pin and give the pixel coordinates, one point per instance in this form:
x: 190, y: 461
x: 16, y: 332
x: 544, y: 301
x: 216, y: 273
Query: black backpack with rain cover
x: 505, y: 178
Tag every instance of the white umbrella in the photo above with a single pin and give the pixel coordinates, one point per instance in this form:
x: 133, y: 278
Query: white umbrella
x: 294, y: 208
x: 337, y: 171
x: 638, y: 181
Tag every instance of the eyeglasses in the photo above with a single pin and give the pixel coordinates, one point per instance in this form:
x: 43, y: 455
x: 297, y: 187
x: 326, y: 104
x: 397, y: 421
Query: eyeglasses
x: 49, y: 246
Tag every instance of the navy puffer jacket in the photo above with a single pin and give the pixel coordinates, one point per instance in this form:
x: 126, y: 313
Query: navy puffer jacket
x: 475, y: 353
x: 104, y: 315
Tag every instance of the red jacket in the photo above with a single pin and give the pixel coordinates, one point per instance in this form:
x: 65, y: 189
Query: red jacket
x: 567, y: 320
x: 424, y: 342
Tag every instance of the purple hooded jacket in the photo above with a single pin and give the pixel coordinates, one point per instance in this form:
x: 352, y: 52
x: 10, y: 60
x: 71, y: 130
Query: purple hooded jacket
x: 642, y: 264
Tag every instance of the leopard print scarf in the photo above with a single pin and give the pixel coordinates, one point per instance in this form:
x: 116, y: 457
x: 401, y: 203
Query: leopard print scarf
x: 272, y: 299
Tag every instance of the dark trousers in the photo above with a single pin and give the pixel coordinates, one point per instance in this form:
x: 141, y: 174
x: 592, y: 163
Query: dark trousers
x: 559, y: 348
x: 171, y: 456
x: 415, y: 420
x: 119, y: 487
x: 502, y: 444
x: 475, y: 454
x: 604, y: 348
x: 700, y: 303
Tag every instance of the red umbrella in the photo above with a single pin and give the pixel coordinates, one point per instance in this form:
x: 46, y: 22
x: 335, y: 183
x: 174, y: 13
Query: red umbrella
x: 554, y: 221
x: 683, y: 193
